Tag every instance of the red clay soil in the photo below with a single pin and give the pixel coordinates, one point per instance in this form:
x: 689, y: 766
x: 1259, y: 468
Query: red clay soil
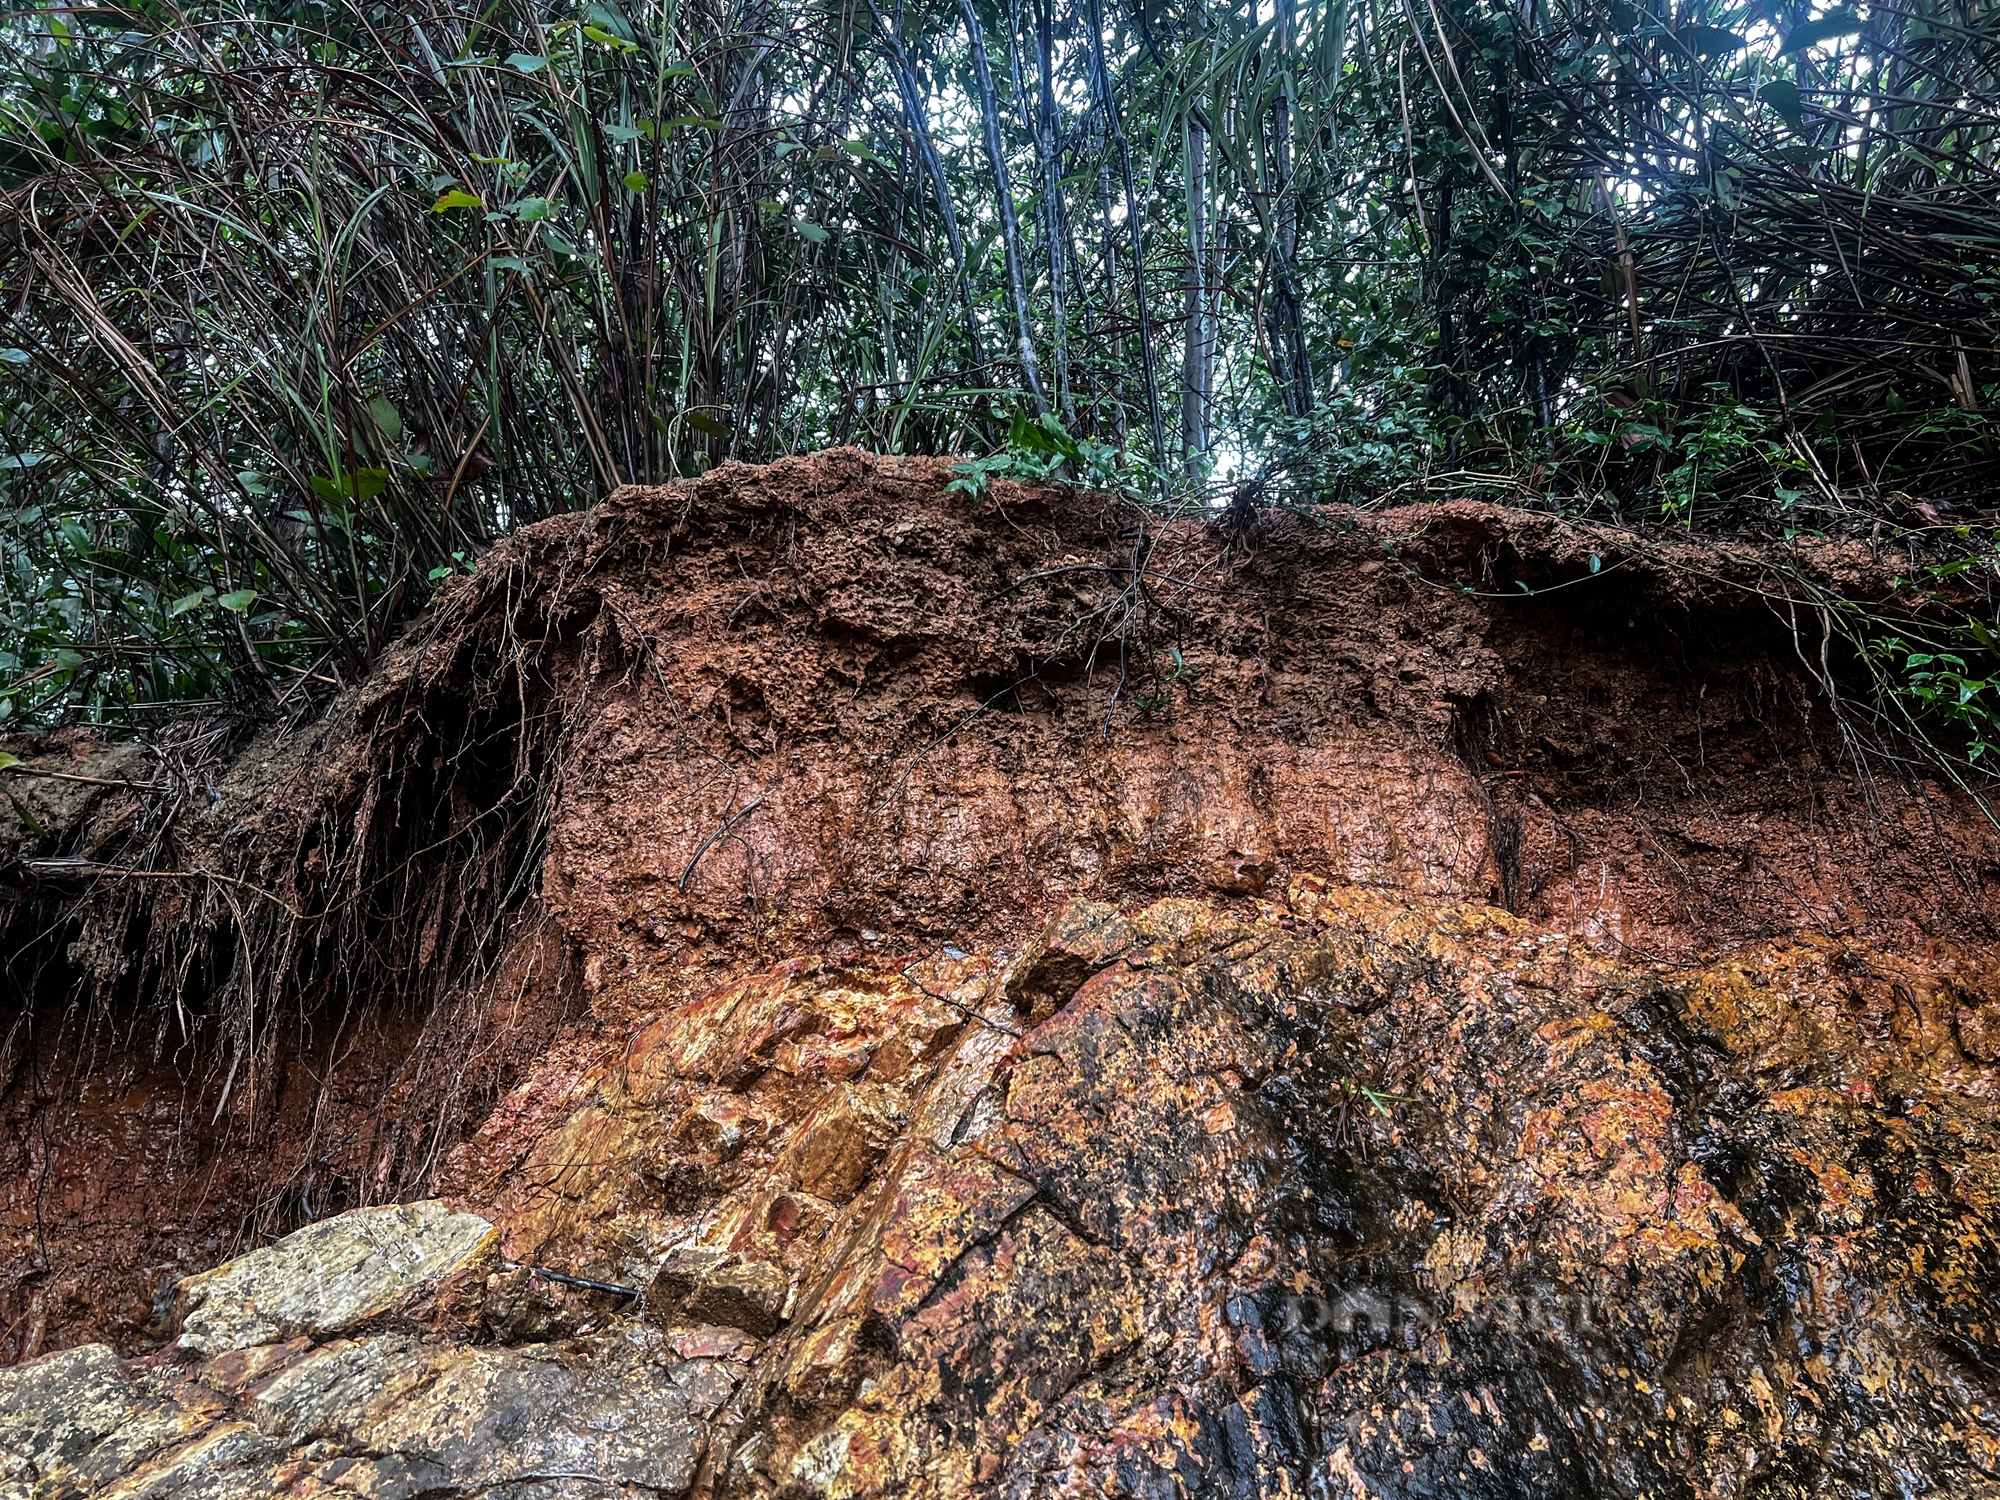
x: 829, y: 707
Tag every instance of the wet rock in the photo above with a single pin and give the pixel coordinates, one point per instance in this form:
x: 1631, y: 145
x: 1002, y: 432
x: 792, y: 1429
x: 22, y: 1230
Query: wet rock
x: 74, y: 1421
x: 392, y: 1415
x: 521, y: 1307
x: 1403, y: 1201
x: 1358, y: 1198
x: 697, y: 1285
x: 330, y: 1276
x: 1240, y: 874
x: 1086, y: 936
x: 610, y: 1409
x: 1979, y: 1032
x: 843, y: 1141
x: 715, y: 1128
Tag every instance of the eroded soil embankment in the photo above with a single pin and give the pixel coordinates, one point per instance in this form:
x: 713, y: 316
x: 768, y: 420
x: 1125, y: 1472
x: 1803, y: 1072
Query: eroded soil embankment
x: 826, y: 708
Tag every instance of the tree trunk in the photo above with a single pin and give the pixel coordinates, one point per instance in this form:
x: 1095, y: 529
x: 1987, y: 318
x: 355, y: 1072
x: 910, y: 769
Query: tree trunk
x: 1010, y: 228
x: 920, y: 131
x: 1288, y: 332
x: 1055, y: 217
x: 1101, y: 81
x: 1195, y: 348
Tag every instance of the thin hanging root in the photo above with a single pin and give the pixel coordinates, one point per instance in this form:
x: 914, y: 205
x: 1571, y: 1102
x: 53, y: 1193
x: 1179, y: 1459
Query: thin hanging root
x: 228, y: 1084
x: 72, y: 868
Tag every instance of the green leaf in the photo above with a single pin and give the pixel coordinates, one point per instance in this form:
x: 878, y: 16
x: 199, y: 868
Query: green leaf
x: 238, y: 600
x: 7, y: 760
x: 812, y: 232
x: 524, y: 62
x: 187, y: 602
x: 33, y: 824
x: 509, y: 263
x: 1709, y: 41
x: 1054, y: 439
x: 1027, y: 437
x: 385, y: 418
x: 363, y: 485
x: 14, y: 356
x: 533, y: 210
x: 1835, y: 24
x: 457, y: 199
x: 1783, y: 96
x: 701, y: 421
x: 635, y: 182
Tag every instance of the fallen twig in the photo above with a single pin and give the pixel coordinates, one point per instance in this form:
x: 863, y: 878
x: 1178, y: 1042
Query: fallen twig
x: 727, y: 823
x: 586, y: 1282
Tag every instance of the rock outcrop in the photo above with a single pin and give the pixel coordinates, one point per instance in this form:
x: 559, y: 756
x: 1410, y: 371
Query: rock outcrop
x: 1340, y: 1196
x: 846, y: 990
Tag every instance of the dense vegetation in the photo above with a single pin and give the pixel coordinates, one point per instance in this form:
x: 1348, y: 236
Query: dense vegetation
x: 306, y: 302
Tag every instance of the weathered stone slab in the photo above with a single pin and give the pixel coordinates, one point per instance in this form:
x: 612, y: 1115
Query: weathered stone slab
x: 328, y: 1277
x: 54, y: 1411
x: 391, y: 1416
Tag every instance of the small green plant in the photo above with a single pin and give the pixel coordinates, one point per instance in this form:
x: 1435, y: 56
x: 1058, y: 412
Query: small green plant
x: 1376, y: 1098
x: 1933, y: 682
x: 1722, y: 448
x: 1354, y: 1101
x: 1040, y: 449
x: 1182, y: 670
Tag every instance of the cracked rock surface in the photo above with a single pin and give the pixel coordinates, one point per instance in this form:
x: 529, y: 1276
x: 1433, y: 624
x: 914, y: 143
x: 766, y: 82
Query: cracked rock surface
x: 329, y: 1277
x: 1334, y: 1195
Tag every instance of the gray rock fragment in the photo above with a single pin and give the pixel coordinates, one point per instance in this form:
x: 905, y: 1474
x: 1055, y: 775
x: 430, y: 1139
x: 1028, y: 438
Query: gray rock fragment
x: 328, y: 1277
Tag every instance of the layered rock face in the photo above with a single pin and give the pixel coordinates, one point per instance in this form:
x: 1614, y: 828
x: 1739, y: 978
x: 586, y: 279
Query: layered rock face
x: 1027, y: 1000
x: 1335, y: 1195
